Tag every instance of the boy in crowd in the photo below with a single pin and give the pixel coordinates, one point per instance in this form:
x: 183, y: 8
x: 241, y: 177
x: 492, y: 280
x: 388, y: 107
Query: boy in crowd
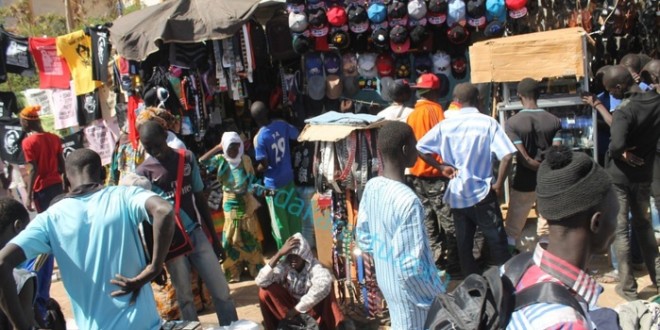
x: 401, y: 93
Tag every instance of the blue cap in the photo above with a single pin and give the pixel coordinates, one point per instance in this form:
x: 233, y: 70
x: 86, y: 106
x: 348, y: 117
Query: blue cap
x: 495, y: 9
x: 313, y: 64
x: 377, y: 12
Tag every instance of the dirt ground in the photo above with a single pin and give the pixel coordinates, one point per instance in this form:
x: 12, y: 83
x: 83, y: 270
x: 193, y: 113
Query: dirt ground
x: 245, y: 295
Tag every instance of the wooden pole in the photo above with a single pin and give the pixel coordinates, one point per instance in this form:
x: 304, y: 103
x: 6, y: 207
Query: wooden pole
x: 68, y: 16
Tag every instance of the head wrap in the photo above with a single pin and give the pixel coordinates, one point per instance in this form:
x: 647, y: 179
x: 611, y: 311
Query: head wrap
x: 227, y: 139
x: 30, y: 112
x: 163, y: 117
x: 569, y: 183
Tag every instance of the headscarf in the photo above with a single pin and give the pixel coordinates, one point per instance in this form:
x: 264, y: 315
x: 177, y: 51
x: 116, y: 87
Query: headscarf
x: 161, y: 116
x: 227, y: 139
x: 30, y: 112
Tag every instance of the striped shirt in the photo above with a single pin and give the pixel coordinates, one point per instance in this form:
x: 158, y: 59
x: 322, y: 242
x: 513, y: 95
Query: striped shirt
x: 390, y: 226
x: 467, y: 141
x: 550, y: 268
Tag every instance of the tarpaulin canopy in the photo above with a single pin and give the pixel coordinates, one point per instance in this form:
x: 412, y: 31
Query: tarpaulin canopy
x: 140, y: 33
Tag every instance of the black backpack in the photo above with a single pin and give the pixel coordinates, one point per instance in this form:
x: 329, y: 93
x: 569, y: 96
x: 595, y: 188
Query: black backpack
x: 487, y: 301
x: 280, y: 41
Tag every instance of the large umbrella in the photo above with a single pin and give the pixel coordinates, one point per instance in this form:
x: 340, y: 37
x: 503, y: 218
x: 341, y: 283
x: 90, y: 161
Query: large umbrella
x: 140, y: 33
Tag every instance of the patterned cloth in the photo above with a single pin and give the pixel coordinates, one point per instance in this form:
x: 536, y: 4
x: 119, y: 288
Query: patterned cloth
x: 550, y: 268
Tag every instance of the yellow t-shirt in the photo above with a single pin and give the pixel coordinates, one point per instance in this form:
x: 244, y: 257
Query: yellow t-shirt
x: 76, y: 48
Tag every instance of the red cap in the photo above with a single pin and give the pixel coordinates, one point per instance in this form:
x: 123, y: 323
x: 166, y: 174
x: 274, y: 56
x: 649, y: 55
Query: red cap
x: 337, y: 16
x: 427, y: 81
x: 517, y: 8
x: 385, y: 64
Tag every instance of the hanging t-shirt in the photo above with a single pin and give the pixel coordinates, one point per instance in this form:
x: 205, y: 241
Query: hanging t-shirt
x: 100, y: 53
x: 3, y: 60
x: 12, y: 135
x: 8, y: 104
x: 100, y: 139
x: 18, y: 59
x: 89, y: 108
x: 40, y: 97
x: 65, y: 108
x: 303, y: 157
x: 76, y: 48
x: 53, y: 70
x: 71, y: 143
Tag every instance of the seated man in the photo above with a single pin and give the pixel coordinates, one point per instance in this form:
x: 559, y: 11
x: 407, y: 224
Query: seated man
x: 299, y: 284
x: 13, y: 219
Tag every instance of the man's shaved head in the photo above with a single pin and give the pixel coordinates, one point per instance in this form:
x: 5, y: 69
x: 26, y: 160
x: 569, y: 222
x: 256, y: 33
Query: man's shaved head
x: 259, y: 113
x: 466, y: 94
x: 83, y: 162
x: 632, y: 61
x: 617, y: 80
x: 651, y: 72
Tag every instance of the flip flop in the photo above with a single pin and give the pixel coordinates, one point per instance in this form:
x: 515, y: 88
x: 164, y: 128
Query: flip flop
x: 609, y: 277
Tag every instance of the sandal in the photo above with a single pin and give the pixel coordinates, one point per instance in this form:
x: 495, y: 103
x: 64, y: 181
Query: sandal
x: 609, y: 277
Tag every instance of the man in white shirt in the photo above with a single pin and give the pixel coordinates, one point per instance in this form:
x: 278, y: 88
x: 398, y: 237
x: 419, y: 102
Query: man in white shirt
x: 401, y: 92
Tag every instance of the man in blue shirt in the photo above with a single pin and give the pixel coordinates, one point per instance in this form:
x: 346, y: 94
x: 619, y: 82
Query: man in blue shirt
x: 93, y: 234
x: 468, y: 141
x: 273, y: 153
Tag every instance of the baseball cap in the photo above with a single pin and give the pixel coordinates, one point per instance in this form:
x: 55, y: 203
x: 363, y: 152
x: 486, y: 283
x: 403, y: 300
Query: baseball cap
x: 496, y: 10
x: 417, y: 9
x: 385, y: 65
x: 402, y: 67
x: 313, y: 65
x: 301, y: 44
x: 317, y: 17
x: 458, y: 35
x: 333, y: 87
x: 441, y: 63
x: 517, y: 8
x: 437, y: 12
x: 297, y: 21
x: 455, y: 12
x: 337, y: 16
x: 418, y: 35
x: 340, y: 39
x: 316, y: 87
x: 331, y: 62
x: 423, y: 63
x: 397, y: 13
x: 359, y: 42
x: 377, y: 13
x: 459, y: 67
x: 427, y: 81
x: 295, y: 5
x: 494, y: 29
x: 476, y: 13
x: 358, y: 20
x: 381, y: 38
x: 399, y: 40
x: 367, y: 65
x: 386, y: 85
x: 349, y: 65
x: 351, y: 85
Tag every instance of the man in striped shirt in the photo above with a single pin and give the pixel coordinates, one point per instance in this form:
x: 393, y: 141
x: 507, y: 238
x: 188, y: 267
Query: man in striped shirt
x: 468, y: 142
x: 391, y: 227
x: 577, y: 198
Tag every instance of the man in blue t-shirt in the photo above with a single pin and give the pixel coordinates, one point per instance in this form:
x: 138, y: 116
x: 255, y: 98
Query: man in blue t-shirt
x: 273, y: 154
x: 93, y: 234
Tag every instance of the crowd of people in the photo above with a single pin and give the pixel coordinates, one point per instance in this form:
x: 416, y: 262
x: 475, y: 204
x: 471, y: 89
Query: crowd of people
x: 436, y: 203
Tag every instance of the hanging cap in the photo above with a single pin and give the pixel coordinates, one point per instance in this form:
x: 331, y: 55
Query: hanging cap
x: 381, y: 38
x: 340, y: 39
x: 476, y: 12
x: 455, y: 12
x: 358, y: 20
x: 517, y: 8
x: 417, y: 9
x: 337, y: 16
x: 297, y: 21
x: 399, y: 40
x: 385, y: 64
x: 377, y: 13
x: 496, y: 10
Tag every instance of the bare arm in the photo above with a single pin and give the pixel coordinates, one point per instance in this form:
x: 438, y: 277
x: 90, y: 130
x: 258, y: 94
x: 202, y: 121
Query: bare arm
x: 525, y: 159
x: 262, y: 165
x: 6, y: 180
x: 32, y: 177
x: 210, y: 153
x: 60, y: 169
x: 505, y: 165
x: 10, y: 257
x: 446, y: 170
x: 595, y: 103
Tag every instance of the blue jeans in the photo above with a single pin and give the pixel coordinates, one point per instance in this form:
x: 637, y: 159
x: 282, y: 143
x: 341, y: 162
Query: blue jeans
x: 206, y: 263
x: 488, y: 217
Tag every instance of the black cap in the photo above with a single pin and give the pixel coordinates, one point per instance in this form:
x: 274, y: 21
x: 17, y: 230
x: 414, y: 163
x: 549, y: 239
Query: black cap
x: 494, y: 29
x: 437, y: 6
x: 459, y: 66
x: 399, y: 34
x: 476, y: 8
x: 402, y: 67
x: 458, y: 35
x: 380, y: 39
x: 418, y: 34
x: 295, y: 2
x: 340, y: 39
x: 357, y: 14
x: 301, y: 44
x: 359, y: 42
x: 317, y: 17
x: 397, y: 9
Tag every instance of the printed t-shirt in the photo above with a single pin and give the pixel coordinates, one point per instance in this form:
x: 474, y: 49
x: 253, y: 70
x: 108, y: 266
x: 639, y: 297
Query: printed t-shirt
x: 303, y: 157
x: 65, y: 108
x: 53, y: 70
x: 90, y: 248
x: 44, y: 149
x: 76, y: 48
x: 11, y: 135
x: 163, y: 180
x: 89, y: 108
x: 535, y: 129
x: 71, y: 143
x: 101, y: 139
x: 272, y: 144
x: 100, y: 53
x: 17, y: 54
x: 426, y: 115
x: 8, y: 104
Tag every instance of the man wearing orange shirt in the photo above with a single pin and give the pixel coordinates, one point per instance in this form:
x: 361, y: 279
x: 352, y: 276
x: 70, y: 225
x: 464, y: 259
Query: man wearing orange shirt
x: 429, y: 184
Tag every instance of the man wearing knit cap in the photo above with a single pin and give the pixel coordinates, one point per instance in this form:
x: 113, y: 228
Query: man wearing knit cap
x: 634, y: 131
x: 576, y: 197
x: 43, y: 154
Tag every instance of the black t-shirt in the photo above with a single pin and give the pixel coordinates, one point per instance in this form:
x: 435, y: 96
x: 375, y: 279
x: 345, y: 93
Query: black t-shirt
x: 8, y: 104
x: 100, y: 53
x: 71, y: 143
x: 3, y: 69
x: 535, y: 129
x: 89, y: 108
x: 302, y: 159
x: 18, y: 59
x: 11, y: 135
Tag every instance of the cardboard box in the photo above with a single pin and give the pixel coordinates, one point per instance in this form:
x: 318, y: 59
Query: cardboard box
x: 332, y: 133
x: 556, y: 53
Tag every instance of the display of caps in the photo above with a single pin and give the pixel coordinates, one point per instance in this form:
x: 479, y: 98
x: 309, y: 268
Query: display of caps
x: 459, y: 67
x: 517, y: 8
x: 385, y: 65
x: 402, y: 67
x: 301, y: 44
x: 495, y: 10
x: 377, y: 13
x: 295, y: 5
x: 313, y: 64
x: 399, y: 39
x: 458, y: 35
x: 340, y: 39
x: 441, y: 63
x: 337, y: 16
x: 437, y: 12
x: 418, y: 35
x: 351, y: 85
x: 332, y: 63
x: 476, y: 13
x: 455, y: 12
x: 397, y: 13
x: 381, y: 38
x: 316, y: 87
x: 417, y: 9
x: 367, y: 65
x: 494, y: 29
x: 316, y: 17
x: 297, y: 21
x: 333, y: 87
x: 349, y: 65
x: 427, y: 81
x: 358, y: 20
x: 423, y: 63
x: 359, y: 42
x: 386, y: 86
